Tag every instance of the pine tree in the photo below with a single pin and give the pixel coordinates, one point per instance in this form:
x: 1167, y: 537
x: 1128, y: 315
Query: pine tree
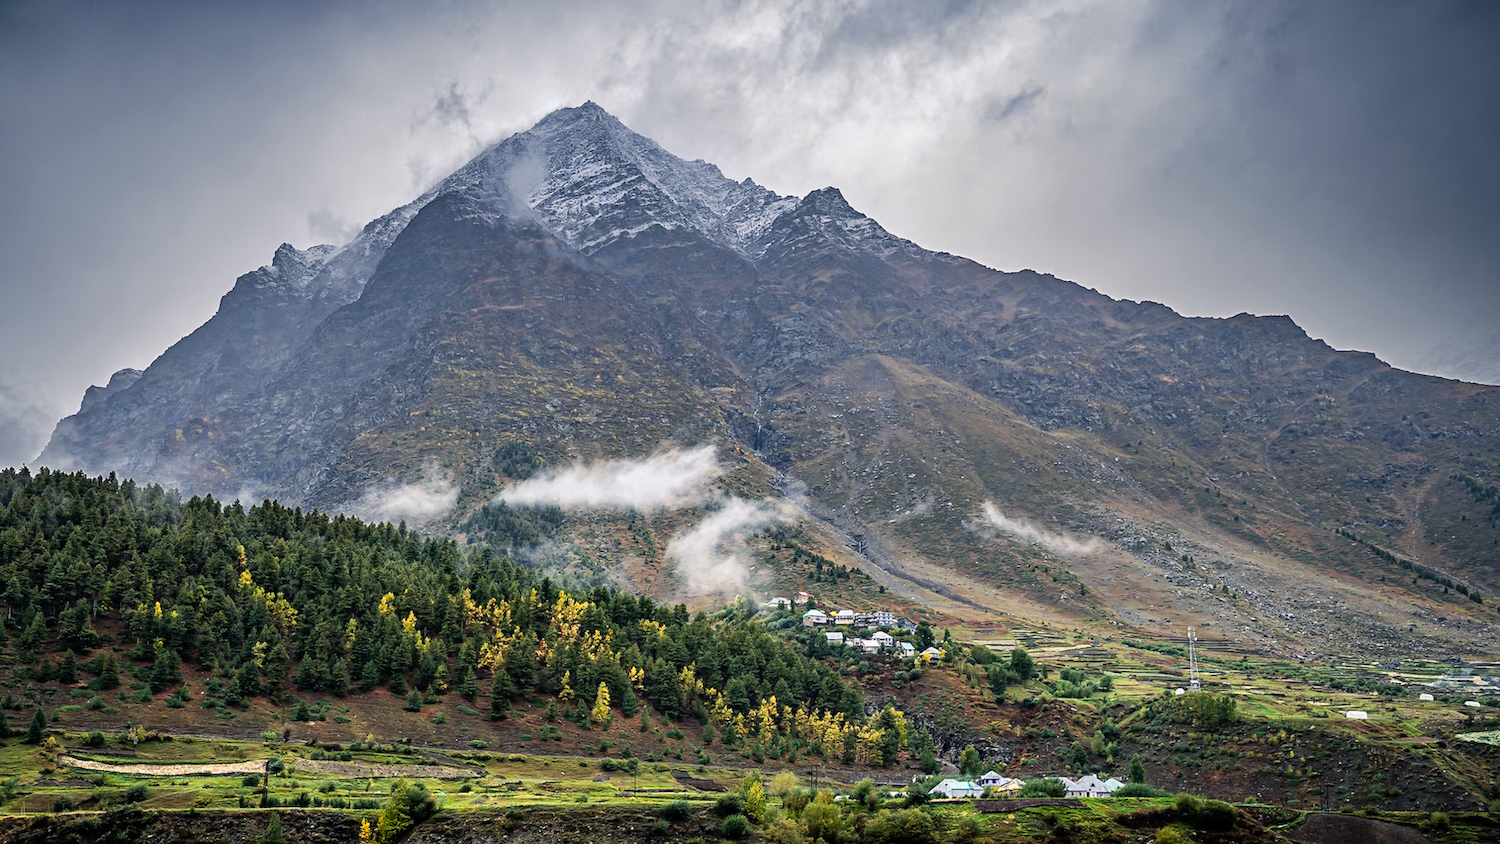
x: 109, y: 672
x: 31, y: 638
x: 38, y: 728
x: 1137, y: 770
x: 414, y: 701
x: 166, y: 669
x: 273, y: 833
x: 277, y: 666
x: 5, y: 732
x: 67, y: 670
x: 502, y: 691
x: 339, y: 681
x: 969, y: 762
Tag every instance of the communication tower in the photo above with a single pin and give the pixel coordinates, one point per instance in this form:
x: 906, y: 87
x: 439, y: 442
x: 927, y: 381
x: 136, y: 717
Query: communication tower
x: 1193, y: 681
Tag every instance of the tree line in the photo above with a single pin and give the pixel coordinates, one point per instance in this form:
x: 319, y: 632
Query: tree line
x: 99, y: 575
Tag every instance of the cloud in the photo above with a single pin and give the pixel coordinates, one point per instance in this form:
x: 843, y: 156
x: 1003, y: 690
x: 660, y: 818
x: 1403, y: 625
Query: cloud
x: 668, y: 480
x: 325, y: 226
x: 1325, y: 160
x: 26, y: 419
x: 416, y: 503
x: 712, y: 557
x: 1059, y: 544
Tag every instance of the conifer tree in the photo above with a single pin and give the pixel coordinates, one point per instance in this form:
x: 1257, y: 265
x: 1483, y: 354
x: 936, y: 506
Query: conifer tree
x: 67, y: 669
x: 600, y: 712
x: 109, y: 673
x: 38, y: 728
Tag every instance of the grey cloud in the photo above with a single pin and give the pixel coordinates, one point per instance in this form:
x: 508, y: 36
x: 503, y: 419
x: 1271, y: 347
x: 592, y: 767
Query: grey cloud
x: 1004, y: 106
x: 326, y: 226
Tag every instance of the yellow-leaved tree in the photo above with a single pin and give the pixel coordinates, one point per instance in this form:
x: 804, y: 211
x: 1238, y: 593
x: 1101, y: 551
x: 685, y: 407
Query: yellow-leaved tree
x: 600, y: 712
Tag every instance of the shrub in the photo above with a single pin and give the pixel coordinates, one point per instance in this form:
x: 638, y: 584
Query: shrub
x: 137, y: 793
x: 1140, y: 789
x: 1200, y: 813
x: 736, y: 826
x: 63, y: 804
x: 907, y: 826
x: 1044, y: 788
x: 94, y: 739
x: 251, y: 780
x: 732, y: 803
x: 676, y: 811
x: 478, y: 745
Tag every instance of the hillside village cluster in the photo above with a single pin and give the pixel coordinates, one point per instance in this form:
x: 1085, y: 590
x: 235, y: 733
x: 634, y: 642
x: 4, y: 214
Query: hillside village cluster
x: 990, y: 784
x: 877, y: 642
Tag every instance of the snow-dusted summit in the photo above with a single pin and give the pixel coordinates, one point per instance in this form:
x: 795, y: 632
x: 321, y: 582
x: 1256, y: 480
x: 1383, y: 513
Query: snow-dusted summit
x: 592, y: 181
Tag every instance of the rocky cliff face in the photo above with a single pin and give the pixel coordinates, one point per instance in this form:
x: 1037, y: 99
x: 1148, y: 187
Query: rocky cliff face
x: 580, y: 289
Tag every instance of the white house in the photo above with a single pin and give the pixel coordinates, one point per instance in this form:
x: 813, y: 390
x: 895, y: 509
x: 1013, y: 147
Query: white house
x: 1087, y: 785
x: 1113, y: 785
x: 956, y: 788
x: 835, y: 638
x: 1424, y: 696
x: 883, y: 640
x: 907, y: 649
x: 1006, y: 787
x: 844, y: 617
x: 931, y: 654
x: 776, y: 603
x: 989, y: 778
x: 1357, y: 715
x: 814, y: 618
x: 1472, y: 704
x: 870, y: 646
x: 885, y: 618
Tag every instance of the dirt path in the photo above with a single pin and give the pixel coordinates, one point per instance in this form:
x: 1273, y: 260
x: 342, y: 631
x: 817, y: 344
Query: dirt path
x: 254, y: 766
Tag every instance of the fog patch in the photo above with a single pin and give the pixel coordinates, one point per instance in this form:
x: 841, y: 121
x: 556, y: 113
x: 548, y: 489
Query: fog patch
x: 713, y: 556
x: 1059, y: 544
x: 669, y: 480
x: 416, y: 503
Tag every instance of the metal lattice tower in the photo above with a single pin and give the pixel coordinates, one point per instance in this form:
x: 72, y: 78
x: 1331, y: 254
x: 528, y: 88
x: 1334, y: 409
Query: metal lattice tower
x: 1193, y: 682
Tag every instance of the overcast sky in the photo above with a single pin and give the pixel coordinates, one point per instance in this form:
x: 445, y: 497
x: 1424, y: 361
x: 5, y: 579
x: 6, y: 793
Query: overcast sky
x: 1335, y: 161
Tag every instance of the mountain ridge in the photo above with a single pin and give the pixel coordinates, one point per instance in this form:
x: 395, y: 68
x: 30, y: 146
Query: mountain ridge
x: 579, y: 289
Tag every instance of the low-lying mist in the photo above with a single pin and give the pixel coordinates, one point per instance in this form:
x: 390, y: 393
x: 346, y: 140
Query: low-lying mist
x: 1057, y: 543
x: 711, y: 557
x: 669, y: 480
x: 415, y: 503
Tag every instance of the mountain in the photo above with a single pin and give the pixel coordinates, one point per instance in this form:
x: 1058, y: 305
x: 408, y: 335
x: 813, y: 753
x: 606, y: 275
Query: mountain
x: 580, y: 292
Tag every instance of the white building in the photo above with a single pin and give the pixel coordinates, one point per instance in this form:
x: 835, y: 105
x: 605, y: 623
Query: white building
x: 907, y: 649
x: 1357, y: 715
x: 885, y: 618
x: 1424, y: 696
x: 956, y: 788
x: 776, y: 603
x: 844, y: 617
x: 883, y: 639
x: 931, y: 654
x: 1088, y: 785
x: 814, y: 618
x: 835, y: 638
